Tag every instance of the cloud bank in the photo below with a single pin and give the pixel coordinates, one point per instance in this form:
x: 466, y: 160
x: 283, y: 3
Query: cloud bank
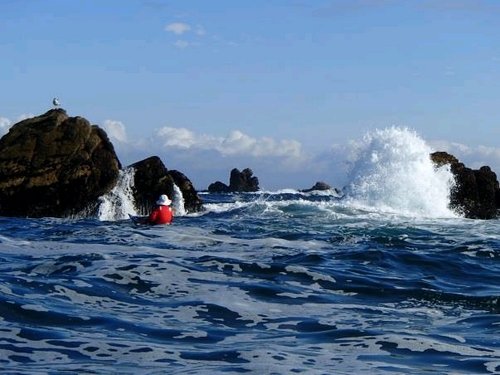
x: 205, y: 158
x: 235, y: 143
x: 279, y: 163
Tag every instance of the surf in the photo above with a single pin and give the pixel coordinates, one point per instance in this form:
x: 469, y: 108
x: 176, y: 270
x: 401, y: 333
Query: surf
x: 391, y: 171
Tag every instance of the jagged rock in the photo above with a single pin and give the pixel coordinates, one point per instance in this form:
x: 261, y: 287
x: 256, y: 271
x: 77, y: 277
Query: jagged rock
x: 243, y: 181
x: 54, y: 165
x: 152, y: 179
x: 477, y: 192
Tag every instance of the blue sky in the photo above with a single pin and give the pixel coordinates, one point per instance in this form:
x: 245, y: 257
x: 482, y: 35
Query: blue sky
x: 279, y: 86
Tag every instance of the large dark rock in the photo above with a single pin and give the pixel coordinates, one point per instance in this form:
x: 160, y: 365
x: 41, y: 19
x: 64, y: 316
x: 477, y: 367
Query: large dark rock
x: 152, y: 178
x: 54, y: 165
x: 243, y: 181
x: 476, y: 193
x: 150, y: 181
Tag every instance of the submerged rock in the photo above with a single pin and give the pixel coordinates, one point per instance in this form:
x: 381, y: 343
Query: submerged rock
x: 477, y: 193
x: 55, y: 165
x: 319, y: 186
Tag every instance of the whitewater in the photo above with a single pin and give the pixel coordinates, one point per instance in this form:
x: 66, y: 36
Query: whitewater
x: 381, y: 278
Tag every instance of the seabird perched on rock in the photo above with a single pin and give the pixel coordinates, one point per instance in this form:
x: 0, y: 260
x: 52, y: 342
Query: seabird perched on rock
x: 55, y: 101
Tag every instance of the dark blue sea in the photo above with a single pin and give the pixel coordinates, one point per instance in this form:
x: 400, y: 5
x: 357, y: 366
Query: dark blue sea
x: 382, y: 279
x: 271, y: 283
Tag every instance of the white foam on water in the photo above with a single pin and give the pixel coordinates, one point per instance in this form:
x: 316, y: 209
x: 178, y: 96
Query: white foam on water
x: 178, y: 202
x: 119, y: 202
x: 392, y: 172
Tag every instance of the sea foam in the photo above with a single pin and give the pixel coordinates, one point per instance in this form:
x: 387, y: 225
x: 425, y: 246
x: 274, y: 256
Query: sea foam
x: 119, y: 202
x: 392, y: 172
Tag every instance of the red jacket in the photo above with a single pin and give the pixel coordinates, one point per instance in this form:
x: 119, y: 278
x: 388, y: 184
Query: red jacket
x: 161, y: 215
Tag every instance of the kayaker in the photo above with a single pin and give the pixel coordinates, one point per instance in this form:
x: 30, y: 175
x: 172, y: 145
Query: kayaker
x: 162, y: 213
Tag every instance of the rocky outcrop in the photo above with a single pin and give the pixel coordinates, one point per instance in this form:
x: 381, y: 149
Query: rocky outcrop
x: 150, y: 181
x: 152, y: 178
x: 477, y: 193
x: 243, y: 181
x: 54, y: 165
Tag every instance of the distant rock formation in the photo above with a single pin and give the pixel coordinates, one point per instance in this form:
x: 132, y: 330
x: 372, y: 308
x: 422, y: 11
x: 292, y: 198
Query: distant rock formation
x: 54, y: 165
x: 243, y: 181
x: 152, y: 179
x: 477, y: 192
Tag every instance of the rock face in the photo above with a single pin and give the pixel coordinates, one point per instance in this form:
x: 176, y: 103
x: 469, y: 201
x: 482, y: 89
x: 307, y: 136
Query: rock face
x: 152, y: 179
x: 54, y: 165
x: 243, y: 181
x: 477, y: 192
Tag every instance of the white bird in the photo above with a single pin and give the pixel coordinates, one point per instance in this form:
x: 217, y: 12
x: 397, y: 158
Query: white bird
x: 55, y: 101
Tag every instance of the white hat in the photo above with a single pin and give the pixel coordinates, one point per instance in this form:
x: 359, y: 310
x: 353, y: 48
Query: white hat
x: 163, y: 200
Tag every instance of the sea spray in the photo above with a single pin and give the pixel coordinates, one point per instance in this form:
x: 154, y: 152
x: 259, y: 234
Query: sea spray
x: 392, y: 172
x: 178, y: 202
x: 119, y: 202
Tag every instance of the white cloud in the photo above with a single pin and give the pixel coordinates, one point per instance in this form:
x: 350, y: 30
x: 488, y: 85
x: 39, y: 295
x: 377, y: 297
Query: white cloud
x: 115, y: 130
x: 177, y: 137
x: 178, y: 28
x: 5, y: 124
x: 236, y: 143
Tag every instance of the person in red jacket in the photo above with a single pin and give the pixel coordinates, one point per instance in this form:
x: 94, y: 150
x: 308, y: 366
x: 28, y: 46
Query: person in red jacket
x: 162, y: 213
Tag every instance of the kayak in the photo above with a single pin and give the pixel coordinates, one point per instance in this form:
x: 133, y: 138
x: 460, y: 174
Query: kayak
x: 142, y: 220
x: 139, y: 220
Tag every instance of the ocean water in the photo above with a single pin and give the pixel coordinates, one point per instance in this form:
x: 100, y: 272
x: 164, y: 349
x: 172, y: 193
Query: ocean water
x: 381, y: 279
